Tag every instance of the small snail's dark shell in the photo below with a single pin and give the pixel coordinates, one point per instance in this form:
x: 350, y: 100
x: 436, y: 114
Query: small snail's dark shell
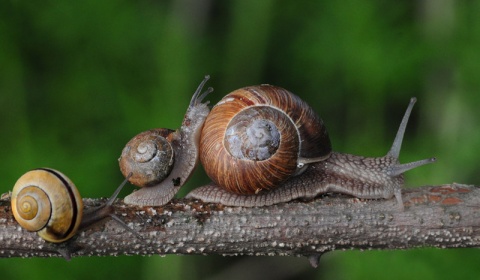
x: 148, y: 156
x: 252, y: 139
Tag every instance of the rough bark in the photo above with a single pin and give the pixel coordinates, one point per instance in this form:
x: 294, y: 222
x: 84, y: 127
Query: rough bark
x: 445, y: 216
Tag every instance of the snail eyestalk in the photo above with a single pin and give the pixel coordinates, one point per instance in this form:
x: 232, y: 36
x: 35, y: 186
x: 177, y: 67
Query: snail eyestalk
x: 118, y: 190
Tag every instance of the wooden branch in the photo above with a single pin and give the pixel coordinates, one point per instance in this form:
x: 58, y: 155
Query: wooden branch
x: 445, y: 216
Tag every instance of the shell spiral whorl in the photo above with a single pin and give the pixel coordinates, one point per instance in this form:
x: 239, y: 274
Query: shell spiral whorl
x: 33, y: 204
x: 39, y: 204
x: 250, y: 135
x: 253, y: 137
x: 149, y: 157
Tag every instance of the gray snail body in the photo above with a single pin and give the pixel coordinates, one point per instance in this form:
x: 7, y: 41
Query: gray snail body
x: 263, y: 145
x: 46, y: 201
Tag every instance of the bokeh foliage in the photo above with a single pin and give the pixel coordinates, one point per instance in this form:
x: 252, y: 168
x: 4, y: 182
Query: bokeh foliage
x: 79, y: 79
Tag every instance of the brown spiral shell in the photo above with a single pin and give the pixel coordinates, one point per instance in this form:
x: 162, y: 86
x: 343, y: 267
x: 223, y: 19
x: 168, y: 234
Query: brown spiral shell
x: 279, y: 128
x: 46, y: 201
x: 149, y: 157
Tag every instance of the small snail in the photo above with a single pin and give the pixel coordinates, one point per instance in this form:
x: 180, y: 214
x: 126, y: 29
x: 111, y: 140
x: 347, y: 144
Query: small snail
x: 263, y: 145
x: 161, y: 160
x: 46, y: 201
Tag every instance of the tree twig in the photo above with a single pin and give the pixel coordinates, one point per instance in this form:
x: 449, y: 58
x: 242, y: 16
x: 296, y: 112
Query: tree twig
x: 444, y: 216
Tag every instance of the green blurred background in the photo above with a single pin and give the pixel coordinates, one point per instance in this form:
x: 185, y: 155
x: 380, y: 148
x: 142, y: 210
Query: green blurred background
x: 79, y: 79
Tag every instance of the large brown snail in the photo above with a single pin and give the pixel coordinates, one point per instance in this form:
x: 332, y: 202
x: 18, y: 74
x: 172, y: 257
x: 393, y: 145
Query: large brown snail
x: 260, y: 145
x: 46, y: 201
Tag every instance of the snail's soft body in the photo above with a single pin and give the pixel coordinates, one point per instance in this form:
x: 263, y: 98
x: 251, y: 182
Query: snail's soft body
x: 263, y: 145
x: 339, y: 173
x: 46, y: 201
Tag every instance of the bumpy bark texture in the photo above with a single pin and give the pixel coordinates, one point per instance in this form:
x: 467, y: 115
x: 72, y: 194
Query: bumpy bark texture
x: 445, y: 216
